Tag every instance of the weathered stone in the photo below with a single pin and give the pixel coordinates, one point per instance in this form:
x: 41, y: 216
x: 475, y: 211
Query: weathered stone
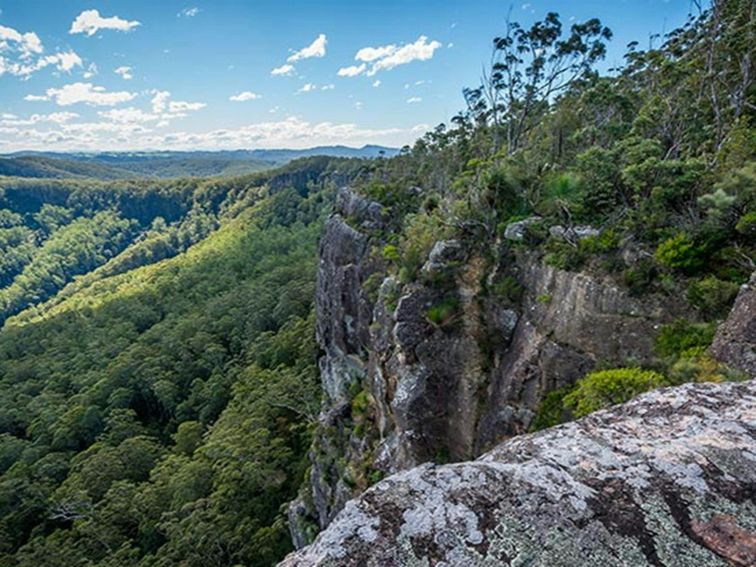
x: 369, y: 214
x: 735, y: 341
x: 667, y: 479
x: 516, y: 230
x: 443, y: 253
x: 343, y: 311
x: 573, y: 233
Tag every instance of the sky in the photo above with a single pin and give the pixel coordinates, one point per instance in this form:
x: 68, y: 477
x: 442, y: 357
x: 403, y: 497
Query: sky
x: 126, y: 75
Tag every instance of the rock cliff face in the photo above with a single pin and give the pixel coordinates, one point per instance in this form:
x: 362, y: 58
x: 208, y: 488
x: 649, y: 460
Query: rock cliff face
x: 445, y: 367
x: 667, y: 479
x: 735, y: 341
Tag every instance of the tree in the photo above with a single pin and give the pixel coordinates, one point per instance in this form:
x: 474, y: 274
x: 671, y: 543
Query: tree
x: 530, y: 67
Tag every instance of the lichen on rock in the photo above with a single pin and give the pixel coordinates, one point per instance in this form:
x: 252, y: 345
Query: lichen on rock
x: 666, y: 479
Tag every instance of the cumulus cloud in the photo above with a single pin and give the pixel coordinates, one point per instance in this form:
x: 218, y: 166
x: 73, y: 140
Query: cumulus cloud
x: 386, y: 57
x: 21, y: 54
x: 90, y: 22
x: 128, y: 115
x: 124, y: 72
x: 414, y: 100
x: 244, y: 96
x: 132, y: 129
x: 352, y: 71
x: 283, y: 70
x: 54, y: 117
x: 76, y: 93
x: 166, y: 108
x: 27, y: 43
x: 316, y: 49
x: 328, y: 87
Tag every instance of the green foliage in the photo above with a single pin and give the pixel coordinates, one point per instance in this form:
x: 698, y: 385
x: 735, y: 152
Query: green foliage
x: 158, y: 412
x: 712, y: 296
x: 552, y: 410
x: 680, y: 252
x: 604, y: 388
x: 443, y: 312
x: 681, y: 337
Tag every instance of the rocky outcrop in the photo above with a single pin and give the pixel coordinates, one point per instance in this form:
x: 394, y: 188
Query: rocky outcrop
x: 735, y: 341
x: 667, y: 479
x: 446, y: 366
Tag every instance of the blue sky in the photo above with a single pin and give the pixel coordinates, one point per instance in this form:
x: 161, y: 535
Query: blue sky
x: 148, y: 74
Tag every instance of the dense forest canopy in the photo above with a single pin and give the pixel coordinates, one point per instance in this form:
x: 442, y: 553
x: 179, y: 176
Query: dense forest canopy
x: 158, y: 377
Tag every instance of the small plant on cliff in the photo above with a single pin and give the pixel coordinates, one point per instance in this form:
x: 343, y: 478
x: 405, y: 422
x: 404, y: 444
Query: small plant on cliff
x: 443, y: 312
x: 604, y: 388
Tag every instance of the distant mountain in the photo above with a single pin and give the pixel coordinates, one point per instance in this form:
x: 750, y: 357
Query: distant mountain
x: 124, y: 165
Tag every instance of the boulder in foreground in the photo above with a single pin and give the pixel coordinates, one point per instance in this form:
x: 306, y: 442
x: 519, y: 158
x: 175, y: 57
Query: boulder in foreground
x: 666, y: 479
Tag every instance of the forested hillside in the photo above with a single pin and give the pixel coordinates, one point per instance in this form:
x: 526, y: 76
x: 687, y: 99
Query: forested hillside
x: 182, y: 365
x: 155, y: 410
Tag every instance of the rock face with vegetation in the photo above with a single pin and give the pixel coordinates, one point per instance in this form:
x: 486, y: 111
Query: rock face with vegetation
x: 546, y: 255
x: 735, y: 341
x: 667, y: 479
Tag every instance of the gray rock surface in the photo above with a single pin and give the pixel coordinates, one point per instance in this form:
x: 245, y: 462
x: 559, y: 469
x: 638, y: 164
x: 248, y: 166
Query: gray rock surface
x: 735, y: 341
x: 516, y: 230
x: 666, y: 479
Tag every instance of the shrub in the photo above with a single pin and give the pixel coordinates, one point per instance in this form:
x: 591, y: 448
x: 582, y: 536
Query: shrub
x: 552, y: 410
x: 747, y: 225
x: 639, y: 277
x: 712, y: 296
x: 442, y: 313
x: 391, y: 253
x: 683, y: 337
x: 680, y: 253
x: 601, y: 389
x: 508, y: 288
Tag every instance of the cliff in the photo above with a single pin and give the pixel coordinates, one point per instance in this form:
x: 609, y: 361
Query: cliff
x: 444, y: 367
x: 667, y: 479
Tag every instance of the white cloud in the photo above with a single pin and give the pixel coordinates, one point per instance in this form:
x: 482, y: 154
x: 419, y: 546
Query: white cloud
x: 309, y: 87
x: 283, y: 70
x: 189, y: 12
x: 377, y: 83
x: 128, y: 115
x: 124, y: 72
x: 54, y: 117
x: 316, y: 49
x: 328, y: 87
x: 387, y: 57
x: 414, y: 100
x: 27, y: 43
x: 128, y: 131
x: 76, y: 93
x: 19, y: 50
x: 90, y: 72
x: 352, y: 71
x: 369, y: 54
x: 166, y: 108
x: 90, y: 22
x: 159, y: 101
x: 244, y: 96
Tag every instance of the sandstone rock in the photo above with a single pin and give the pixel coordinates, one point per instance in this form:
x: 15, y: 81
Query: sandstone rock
x: 573, y: 233
x: 351, y: 205
x: 667, y: 479
x: 735, y: 341
x: 343, y: 312
x: 442, y: 254
x: 516, y: 230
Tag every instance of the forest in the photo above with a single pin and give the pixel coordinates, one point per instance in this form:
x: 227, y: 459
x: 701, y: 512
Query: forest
x: 159, y: 387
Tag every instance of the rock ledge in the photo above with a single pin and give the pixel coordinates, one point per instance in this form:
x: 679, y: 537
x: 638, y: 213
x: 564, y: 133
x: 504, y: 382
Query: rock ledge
x: 666, y: 479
